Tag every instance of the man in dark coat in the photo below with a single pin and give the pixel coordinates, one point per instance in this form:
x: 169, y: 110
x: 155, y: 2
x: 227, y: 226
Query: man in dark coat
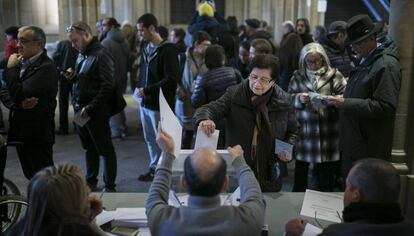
x: 32, y: 81
x: 159, y: 68
x: 303, y: 30
x: 117, y: 45
x: 371, y: 204
x: 93, y: 88
x: 64, y: 58
x: 257, y: 112
x: 367, y: 108
x: 334, y: 45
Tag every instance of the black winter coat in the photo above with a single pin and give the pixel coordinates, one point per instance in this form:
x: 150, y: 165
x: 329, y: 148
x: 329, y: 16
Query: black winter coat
x: 213, y: 84
x: 367, y: 115
x: 236, y: 107
x: 159, y: 70
x: 94, y: 82
x: 40, y: 80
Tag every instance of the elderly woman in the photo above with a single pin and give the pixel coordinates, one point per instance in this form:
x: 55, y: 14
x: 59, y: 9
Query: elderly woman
x: 318, y: 140
x: 256, y: 113
x: 60, y: 204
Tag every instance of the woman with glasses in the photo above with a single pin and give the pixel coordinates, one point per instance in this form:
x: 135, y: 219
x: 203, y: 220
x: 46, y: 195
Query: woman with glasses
x: 318, y: 140
x: 256, y: 113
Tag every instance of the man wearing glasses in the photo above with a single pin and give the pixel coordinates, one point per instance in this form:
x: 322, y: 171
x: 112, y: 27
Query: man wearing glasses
x: 370, y: 99
x: 257, y: 112
x: 93, y: 87
x: 32, y: 81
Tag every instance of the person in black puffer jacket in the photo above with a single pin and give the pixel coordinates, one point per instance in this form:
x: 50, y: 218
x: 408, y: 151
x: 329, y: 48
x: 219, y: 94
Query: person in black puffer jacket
x: 213, y: 84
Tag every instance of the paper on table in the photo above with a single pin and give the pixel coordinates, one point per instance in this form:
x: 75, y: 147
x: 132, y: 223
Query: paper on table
x: 311, y: 230
x: 130, y: 214
x: 79, y: 120
x: 325, y: 206
x: 202, y: 140
x: 104, y: 217
x: 283, y: 146
x: 170, y: 123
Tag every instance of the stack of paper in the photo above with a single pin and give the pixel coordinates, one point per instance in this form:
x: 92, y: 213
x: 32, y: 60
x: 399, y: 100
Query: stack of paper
x: 325, y: 206
x: 130, y: 217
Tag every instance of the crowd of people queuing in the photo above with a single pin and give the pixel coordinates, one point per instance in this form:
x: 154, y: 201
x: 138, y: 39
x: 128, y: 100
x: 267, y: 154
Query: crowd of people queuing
x: 331, y: 94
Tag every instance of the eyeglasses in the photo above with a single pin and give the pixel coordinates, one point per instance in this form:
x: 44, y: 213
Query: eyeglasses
x: 26, y: 41
x: 313, y: 62
x: 261, y: 80
x: 70, y: 28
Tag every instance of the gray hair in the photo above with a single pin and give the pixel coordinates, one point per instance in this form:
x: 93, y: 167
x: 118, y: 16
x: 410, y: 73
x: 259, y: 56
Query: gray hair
x: 376, y: 180
x: 37, y: 33
x: 313, y: 48
x: 289, y: 24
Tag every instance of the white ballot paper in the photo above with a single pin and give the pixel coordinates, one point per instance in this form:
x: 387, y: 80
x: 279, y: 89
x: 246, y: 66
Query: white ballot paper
x: 283, y: 146
x: 79, y: 120
x: 324, y: 206
x: 203, y: 141
x: 311, y: 230
x: 170, y: 123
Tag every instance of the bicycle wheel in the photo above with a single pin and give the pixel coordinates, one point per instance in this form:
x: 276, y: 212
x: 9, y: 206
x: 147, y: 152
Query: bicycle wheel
x: 12, y: 209
x: 11, y: 188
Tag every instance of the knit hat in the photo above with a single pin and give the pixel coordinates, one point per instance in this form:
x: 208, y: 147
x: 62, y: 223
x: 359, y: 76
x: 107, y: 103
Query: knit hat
x: 205, y: 9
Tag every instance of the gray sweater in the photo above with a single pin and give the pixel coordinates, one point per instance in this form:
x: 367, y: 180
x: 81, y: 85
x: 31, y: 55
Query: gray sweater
x: 205, y: 215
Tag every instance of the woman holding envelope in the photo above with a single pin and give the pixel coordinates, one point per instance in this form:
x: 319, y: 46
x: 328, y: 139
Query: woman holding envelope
x: 318, y: 140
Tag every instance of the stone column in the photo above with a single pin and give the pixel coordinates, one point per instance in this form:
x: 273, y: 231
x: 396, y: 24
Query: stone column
x: 402, y: 31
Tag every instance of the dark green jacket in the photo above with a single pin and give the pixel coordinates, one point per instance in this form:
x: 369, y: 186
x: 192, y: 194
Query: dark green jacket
x: 367, y: 116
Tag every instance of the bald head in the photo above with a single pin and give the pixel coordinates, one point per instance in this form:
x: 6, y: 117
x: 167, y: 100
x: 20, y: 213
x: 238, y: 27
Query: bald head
x: 376, y: 180
x: 205, y: 172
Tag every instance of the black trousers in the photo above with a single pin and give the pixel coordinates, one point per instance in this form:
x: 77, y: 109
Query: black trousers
x: 323, y: 176
x: 65, y: 88
x: 95, y: 137
x: 34, y: 157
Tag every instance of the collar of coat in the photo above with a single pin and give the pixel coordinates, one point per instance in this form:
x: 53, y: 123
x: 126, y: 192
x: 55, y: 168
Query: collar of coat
x: 35, y: 65
x: 279, y: 100
x: 322, y: 81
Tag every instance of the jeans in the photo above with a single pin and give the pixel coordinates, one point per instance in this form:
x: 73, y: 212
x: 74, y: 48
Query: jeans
x: 149, y: 120
x: 96, y: 139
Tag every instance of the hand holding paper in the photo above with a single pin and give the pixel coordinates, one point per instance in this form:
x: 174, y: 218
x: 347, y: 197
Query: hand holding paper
x: 204, y: 140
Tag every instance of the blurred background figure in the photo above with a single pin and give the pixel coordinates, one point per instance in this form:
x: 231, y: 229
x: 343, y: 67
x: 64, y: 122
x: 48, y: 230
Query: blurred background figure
x: 192, y: 64
x: 289, y: 51
x: 243, y: 62
x: 319, y: 33
x: 177, y: 36
x: 303, y: 30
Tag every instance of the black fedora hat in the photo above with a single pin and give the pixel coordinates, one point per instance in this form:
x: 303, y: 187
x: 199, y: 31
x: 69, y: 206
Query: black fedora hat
x: 360, y: 27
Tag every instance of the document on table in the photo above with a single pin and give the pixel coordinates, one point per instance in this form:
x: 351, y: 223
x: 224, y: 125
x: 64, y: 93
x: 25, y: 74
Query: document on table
x: 170, y: 123
x: 324, y: 206
x: 202, y: 140
x: 311, y: 230
x: 283, y: 146
x: 80, y: 120
x: 105, y: 217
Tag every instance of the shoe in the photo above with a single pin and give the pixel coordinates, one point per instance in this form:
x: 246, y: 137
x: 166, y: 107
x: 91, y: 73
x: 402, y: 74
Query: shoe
x: 109, y: 190
x: 149, y: 176
x: 61, y: 132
